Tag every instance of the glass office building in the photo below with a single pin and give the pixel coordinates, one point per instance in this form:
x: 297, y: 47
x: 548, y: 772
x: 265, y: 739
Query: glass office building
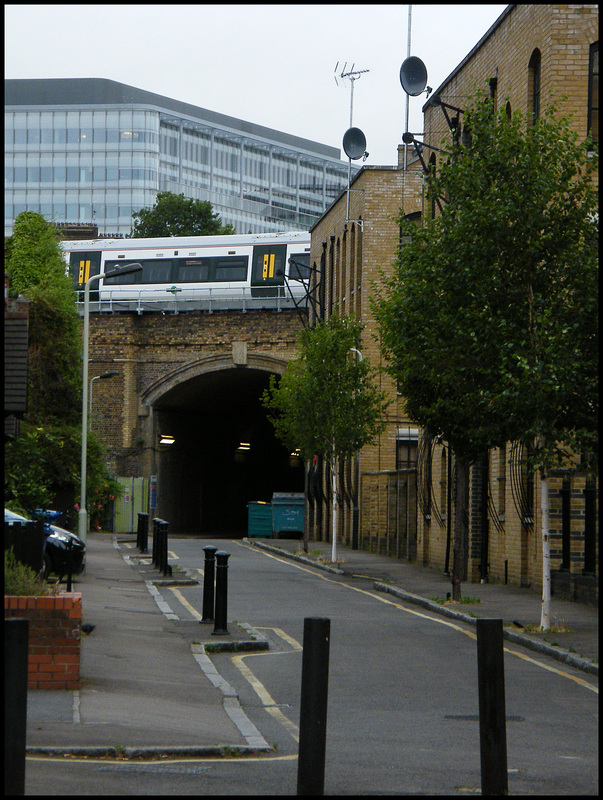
x: 93, y: 151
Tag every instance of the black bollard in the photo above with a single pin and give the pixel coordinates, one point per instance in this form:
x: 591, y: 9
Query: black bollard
x: 313, y: 707
x: 165, y: 567
x: 492, y: 720
x: 156, y: 522
x: 208, y: 583
x: 69, y: 564
x: 142, y: 533
x: 16, y: 641
x: 220, y: 626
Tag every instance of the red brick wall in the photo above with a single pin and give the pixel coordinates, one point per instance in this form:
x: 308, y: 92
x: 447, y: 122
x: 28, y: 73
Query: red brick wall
x: 54, y: 638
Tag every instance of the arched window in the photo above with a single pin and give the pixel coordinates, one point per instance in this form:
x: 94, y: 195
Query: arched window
x: 593, y: 92
x: 508, y: 110
x: 534, y: 87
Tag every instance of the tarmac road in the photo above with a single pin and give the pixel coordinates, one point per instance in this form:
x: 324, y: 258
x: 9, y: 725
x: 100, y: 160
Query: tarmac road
x: 402, y: 689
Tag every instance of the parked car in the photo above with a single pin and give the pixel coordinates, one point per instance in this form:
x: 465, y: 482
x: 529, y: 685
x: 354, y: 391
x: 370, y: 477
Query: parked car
x: 56, y: 546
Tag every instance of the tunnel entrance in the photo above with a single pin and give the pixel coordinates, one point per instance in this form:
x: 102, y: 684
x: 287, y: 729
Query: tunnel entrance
x: 224, y: 453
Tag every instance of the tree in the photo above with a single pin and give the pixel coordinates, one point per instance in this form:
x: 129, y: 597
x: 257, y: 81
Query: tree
x: 489, y: 321
x: 43, y: 462
x: 326, y: 404
x: 177, y: 215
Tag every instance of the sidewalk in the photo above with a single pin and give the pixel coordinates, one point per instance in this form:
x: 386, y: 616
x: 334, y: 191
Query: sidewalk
x: 148, y: 689
x: 572, y: 639
x: 144, y: 684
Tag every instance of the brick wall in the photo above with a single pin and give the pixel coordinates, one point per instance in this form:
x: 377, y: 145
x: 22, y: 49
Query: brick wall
x: 54, y: 638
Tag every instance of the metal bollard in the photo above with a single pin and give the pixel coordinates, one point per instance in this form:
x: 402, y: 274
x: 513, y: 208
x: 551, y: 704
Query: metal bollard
x: 142, y: 533
x: 313, y: 706
x: 16, y: 642
x: 220, y: 626
x: 156, y: 522
x: 208, y: 583
x: 167, y: 570
x: 492, y: 719
x: 69, y: 564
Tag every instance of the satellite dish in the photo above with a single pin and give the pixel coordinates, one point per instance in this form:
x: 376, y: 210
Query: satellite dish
x: 354, y: 143
x: 413, y: 76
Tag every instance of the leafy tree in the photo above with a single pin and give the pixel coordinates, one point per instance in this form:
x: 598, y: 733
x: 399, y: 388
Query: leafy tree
x: 177, y: 215
x: 326, y: 404
x: 490, y: 318
x: 43, y: 462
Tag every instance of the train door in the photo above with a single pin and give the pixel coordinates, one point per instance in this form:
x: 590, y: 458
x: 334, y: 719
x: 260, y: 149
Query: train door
x: 268, y: 270
x: 83, y: 265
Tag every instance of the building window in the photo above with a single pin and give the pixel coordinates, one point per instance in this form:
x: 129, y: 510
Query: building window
x: 534, y: 87
x: 566, y: 523
x: 406, y: 447
x: 593, y: 92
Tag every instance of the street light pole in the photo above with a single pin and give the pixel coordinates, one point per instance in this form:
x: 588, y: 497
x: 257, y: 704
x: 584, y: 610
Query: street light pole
x: 82, y: 520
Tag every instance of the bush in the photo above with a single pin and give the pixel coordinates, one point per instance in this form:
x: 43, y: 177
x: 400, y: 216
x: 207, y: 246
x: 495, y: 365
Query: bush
x: 19, y: 579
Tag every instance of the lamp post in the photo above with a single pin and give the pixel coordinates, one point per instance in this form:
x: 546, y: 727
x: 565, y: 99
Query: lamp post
x: 82, y: 521
x: 109, y: 374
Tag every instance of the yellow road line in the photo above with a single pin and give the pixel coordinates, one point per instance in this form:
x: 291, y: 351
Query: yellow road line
x: 470, y: 634
x: 185, y: 603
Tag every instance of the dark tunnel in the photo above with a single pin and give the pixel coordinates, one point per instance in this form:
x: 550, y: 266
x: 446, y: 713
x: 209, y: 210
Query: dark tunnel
x: 224, y: 454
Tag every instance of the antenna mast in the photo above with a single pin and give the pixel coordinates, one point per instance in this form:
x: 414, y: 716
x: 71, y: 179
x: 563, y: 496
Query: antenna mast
x: 352, y: 75
x: 407, y: 96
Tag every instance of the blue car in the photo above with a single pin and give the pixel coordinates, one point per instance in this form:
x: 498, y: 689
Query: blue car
x: 56, y: 545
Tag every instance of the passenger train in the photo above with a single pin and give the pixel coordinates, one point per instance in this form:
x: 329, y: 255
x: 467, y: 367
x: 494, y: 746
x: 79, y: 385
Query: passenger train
x: 193, y: 272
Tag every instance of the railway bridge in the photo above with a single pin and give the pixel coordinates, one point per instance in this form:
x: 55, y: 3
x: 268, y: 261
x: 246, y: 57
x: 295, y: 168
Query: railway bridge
x: 184, y: 410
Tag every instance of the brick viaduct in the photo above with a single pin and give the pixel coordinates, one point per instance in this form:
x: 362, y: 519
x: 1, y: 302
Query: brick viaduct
x: 197, y: 377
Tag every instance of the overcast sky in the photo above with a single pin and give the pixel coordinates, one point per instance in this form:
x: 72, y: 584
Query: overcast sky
x: 273, y: 65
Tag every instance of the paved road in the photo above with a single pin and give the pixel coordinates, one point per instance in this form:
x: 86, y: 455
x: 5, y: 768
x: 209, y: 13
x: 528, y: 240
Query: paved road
x: 403, y: 698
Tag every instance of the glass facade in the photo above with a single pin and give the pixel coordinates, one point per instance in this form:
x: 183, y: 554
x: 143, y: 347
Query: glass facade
x: 98, y: 162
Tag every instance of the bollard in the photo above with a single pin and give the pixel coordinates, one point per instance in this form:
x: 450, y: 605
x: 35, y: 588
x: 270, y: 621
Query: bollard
x: 16, y: 641
x: 167, y: 570
x: 208, y: 583
x: 142, y: 533
x: 220, y: 626
x: 313, y: 707
x: 69, y: 564
x: 492, y: 720
x: 156, y: 522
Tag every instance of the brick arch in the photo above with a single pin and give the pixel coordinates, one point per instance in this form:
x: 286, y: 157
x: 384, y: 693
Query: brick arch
x: 203, y: 366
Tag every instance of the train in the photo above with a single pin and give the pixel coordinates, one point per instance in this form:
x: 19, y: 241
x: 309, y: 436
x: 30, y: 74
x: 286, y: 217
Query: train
x: 263, y: 270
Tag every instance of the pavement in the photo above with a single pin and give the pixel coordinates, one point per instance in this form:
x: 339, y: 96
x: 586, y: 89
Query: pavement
x: 148, y: 687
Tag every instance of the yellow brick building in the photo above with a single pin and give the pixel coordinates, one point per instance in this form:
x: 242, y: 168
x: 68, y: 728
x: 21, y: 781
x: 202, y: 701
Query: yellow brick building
x: 402, y: 485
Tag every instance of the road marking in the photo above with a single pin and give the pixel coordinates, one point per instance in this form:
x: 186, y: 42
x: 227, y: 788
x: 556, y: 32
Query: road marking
x: 226, y: 759
x: 182, y: 599
x: 470, y: 634
x: 268, y: 702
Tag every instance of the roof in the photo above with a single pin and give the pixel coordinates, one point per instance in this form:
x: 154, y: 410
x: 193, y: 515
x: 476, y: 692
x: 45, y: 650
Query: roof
x: 102, y: 91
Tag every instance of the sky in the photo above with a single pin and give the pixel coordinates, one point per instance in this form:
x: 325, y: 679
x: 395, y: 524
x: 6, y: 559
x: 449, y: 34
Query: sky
x: 273, y: 65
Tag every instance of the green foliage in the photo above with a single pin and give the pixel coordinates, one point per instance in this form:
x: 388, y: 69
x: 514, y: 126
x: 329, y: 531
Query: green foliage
x: 489, y: 321
x: 19, y: 579
x: 177, y: 215
x: 33, y: 256
x: 326, y: 402
x: 44, y: 460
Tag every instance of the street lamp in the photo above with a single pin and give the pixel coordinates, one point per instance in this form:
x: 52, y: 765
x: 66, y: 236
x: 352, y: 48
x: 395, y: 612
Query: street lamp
x: 109, y: 374
x: 82, y: 521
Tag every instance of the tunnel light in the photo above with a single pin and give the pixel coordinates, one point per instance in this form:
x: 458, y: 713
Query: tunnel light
x: 165, y: 438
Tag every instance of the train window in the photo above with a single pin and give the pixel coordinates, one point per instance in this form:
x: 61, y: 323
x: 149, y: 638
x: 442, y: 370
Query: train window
x: 193, y: 270
x: 120, y: 280
x: 299, y: 266
x: 156, y: 271
x: 231, y: 269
